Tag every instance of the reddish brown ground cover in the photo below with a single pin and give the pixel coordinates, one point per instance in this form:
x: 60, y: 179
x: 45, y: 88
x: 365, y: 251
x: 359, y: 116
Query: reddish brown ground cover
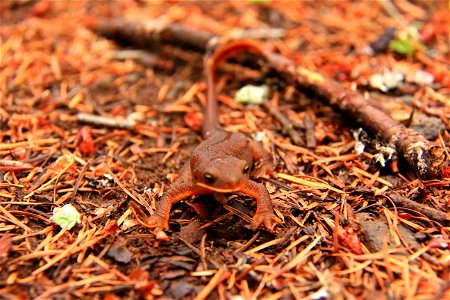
x: 103, y: 127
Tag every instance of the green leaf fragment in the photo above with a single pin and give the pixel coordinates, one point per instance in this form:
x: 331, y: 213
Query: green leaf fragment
x: 66, y: 216
x: 402, y: 46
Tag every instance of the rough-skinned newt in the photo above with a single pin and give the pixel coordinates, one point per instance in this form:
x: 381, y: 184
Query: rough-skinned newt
x: 224, y: 162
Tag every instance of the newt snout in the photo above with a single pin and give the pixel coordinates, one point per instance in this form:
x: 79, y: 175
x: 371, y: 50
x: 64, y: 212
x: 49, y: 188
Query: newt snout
x: 222, y: 174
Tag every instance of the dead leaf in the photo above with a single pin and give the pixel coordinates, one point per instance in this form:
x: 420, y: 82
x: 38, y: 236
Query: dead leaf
x: 120, y: 252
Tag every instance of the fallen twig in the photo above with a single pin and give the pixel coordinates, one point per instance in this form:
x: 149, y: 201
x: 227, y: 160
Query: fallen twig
x: 429, y: 212
x: 104, y: 121
x: 80, y: 177
x: 12, y: 165
x: 309, y: 131
x: 288, y: 127
x: 426, y: 158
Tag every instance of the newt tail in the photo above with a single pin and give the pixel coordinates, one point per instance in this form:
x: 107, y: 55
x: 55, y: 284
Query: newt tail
x: 211, y: 114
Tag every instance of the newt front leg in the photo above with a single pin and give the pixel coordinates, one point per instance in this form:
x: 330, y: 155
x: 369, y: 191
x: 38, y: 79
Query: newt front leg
x: 180, y: 189
x: 264, y: 211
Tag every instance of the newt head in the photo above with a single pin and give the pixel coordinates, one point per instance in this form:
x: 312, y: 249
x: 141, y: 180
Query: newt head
x: 223, y: 174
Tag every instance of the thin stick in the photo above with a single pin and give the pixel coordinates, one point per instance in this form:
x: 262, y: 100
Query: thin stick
x: 80, y: 177
x: 429, y: 212
x: 288, y: 127
x: 105, y: 121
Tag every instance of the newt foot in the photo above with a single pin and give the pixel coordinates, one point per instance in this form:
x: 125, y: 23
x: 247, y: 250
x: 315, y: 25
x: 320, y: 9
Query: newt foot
x: 267, y: 218
x: 159, y: 224
x: 262, y: 170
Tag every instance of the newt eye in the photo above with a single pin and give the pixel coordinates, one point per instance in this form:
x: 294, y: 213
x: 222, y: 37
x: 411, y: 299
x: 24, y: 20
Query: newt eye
x: 209, y: 178
x: 246, y: 169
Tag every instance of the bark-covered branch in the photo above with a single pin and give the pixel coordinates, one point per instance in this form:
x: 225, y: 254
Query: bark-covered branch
x: 425, y: 157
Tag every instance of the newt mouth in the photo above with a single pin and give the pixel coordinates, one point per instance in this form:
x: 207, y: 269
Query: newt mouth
x: 219, y: 190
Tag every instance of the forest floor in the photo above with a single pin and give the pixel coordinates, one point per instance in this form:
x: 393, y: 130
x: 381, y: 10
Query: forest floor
x: 105, y: 128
